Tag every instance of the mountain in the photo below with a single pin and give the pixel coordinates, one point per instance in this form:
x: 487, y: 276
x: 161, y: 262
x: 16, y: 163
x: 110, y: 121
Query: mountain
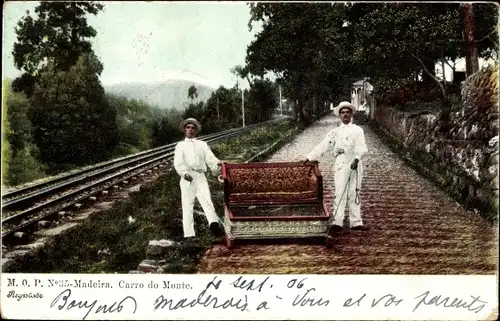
x: 164, y: 94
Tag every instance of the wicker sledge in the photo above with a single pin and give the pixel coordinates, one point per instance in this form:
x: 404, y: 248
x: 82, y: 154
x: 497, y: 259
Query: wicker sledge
x: 274, y: 201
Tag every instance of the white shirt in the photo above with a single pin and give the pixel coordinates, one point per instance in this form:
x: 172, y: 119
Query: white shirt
x: 350, y: 138
x: 194, y: 155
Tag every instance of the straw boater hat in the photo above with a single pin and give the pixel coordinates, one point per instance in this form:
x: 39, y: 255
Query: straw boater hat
x: 190, y: 121
x: 344, y: 104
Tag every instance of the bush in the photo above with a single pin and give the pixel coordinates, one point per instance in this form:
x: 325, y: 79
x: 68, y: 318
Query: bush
x: 24, y: 166
x: 417, y: 92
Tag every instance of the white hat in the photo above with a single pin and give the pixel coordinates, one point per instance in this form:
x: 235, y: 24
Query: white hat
x: 344, y: 104
x: 190, y: 121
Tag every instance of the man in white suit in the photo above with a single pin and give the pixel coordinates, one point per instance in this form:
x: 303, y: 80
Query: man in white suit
x: 190, y: 161
x: 348, y: 144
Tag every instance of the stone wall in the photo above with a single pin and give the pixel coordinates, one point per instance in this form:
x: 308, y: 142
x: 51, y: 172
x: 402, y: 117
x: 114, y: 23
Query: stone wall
x: 458, y: 149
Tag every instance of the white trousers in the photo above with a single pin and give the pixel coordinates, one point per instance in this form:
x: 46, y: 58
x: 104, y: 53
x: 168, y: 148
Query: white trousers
x: 345, y: 192
x: 198, y: 188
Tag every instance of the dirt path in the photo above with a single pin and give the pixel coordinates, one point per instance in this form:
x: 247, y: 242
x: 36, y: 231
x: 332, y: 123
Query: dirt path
x: 415, y: 227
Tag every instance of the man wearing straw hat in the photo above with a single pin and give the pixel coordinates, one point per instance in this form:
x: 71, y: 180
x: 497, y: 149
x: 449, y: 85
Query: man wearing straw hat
x: 190, y: 161
x: 348, y: 144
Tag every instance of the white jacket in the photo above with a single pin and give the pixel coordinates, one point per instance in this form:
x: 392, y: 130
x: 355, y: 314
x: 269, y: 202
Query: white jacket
x: 350, y: 138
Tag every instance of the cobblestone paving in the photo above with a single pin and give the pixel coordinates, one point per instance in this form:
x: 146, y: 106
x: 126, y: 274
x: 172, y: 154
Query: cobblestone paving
x: 415, y: 228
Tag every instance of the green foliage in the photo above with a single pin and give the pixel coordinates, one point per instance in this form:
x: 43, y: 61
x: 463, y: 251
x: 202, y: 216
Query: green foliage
x: 196, y: 111
x: 420, y: 92
x: 20, y: 162
x: 192, y: 92
x: 6, y: 150
x: 485, y: 29
x: 243, y: 148
x: 165, y: 132
x: 25, y: 166
x: 262, y: 101
x: 73, y: 122
x: 21, y: 131
x: 136, y: 121
x: 412, y: 37
x: 319, y: 49
x: 59, y: 34
x: 223, y: 109
x: 408, y: 37
x: 306, y: 46
x: 24, y: 83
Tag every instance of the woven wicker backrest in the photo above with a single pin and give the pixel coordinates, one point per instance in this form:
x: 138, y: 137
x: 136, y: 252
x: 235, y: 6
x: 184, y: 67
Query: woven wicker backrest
x: 272, y: 183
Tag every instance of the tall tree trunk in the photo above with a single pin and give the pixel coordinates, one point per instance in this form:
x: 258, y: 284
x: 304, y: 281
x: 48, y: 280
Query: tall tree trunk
x: 444, y: 71
x: 73, y: 50
x: 315, y: 103
x: 471, y: 57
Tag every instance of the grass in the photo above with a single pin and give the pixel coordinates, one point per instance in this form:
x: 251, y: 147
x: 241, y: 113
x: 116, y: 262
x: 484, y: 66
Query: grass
x: 156, y: 209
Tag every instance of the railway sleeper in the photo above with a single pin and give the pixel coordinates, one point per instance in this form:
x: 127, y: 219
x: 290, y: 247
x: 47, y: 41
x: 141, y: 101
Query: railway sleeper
x: 158, y: 248
x: 20, y: 237
x: 151, y: 266
x: 57, y: 216
x: 46, y: 224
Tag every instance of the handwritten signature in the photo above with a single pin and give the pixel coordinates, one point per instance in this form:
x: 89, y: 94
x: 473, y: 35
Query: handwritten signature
x: 64, y: 299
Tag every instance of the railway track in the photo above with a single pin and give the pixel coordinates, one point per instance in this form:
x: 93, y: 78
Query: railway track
x: 23, y: 208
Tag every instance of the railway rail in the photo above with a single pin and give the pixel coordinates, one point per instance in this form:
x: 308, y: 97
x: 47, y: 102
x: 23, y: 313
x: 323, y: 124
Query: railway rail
x: 24, y: 207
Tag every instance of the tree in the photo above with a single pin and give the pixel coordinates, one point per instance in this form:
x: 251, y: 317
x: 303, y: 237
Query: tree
x: 471, y: 56
x: 241, y: 72
x: 6, y: 151
x: 24, y: 83
x: 72, y: 119
x: 192, y: 92
x: 194, y: 111
x: 20, y: 162
x: 163, y: 132
x: 20, y: 135
x: 261, y: 101
x: 411, y: 38
x: 306, y: 46
x: 59, y: 35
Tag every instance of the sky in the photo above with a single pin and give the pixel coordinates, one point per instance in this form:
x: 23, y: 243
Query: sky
x: 153, y: 41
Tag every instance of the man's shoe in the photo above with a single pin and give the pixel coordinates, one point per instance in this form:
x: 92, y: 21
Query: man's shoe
x: 215, y: 229
x: 335, y: 228
x: 360, y: 228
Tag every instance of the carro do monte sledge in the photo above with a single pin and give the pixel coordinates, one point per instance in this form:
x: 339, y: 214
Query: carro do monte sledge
x: 273, y: 201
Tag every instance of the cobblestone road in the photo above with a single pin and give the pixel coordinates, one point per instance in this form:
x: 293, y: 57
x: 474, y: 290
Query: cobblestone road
x: 415, y: 227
